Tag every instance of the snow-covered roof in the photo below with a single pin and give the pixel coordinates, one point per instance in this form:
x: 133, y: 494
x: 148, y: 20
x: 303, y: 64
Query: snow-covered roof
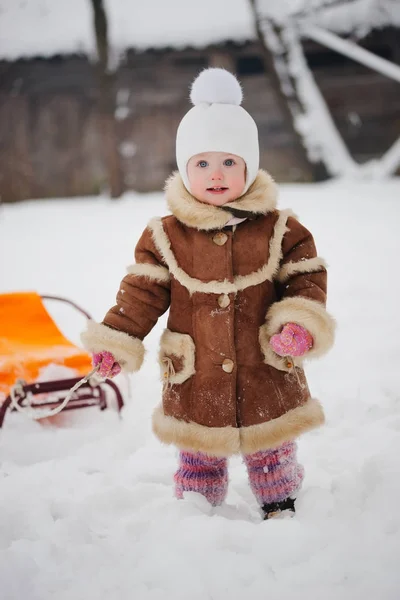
x: 47, y: 27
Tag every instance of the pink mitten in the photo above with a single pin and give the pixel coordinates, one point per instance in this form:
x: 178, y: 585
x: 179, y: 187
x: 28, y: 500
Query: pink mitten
x: 108, y: 366
x: 293, y: 340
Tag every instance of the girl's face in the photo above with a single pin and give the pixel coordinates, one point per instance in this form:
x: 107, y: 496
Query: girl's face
x: 216, y: 177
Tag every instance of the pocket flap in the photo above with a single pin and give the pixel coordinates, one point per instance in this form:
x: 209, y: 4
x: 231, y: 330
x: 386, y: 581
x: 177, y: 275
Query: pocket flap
x: 176, y: 357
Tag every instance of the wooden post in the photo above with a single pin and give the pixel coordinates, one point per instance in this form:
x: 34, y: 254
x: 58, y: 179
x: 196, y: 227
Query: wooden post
x: 221, y: 59
x: 107, y: 102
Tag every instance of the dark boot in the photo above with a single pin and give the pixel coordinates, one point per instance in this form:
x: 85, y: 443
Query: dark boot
x: 273, y: 509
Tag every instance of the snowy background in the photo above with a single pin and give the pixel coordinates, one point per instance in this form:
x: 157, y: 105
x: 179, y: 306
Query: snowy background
x: 86, y: 501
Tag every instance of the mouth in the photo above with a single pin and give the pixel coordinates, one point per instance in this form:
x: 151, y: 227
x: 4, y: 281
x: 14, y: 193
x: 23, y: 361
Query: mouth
x: 217, y: 189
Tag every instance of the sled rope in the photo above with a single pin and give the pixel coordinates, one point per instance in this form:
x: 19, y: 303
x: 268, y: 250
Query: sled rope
x: 37, y: 414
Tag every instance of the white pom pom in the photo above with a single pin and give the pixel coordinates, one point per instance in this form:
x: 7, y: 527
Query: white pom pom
x: 216, y: 86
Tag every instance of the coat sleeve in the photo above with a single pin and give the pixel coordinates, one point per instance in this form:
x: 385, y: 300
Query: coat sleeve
x: 301, y: 285
x: 143, y: 296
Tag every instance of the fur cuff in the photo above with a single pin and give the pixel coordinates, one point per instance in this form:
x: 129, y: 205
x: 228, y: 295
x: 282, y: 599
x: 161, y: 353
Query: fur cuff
x: 309, y: 314
x: 127, y: 350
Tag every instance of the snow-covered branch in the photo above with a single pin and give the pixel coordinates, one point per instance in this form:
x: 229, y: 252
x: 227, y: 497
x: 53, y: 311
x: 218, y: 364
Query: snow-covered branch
x: 351, y: 50
x: 310, y: 113
x: 347, y: 17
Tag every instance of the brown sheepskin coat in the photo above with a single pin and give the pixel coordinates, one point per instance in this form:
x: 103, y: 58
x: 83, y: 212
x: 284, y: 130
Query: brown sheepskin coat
x: 228, y: 291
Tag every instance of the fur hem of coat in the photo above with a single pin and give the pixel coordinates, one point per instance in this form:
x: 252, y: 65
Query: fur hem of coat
x: 283, y: 429
x: 227, y: 441
x: 127, y: 350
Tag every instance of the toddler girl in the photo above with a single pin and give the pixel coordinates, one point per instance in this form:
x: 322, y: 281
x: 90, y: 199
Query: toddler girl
x: 246, y: 294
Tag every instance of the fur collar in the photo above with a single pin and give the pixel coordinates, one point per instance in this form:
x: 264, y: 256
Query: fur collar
x: 260, y: 198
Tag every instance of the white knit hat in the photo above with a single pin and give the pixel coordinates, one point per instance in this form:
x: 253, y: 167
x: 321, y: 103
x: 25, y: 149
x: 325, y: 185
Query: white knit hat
x: 217, y: 123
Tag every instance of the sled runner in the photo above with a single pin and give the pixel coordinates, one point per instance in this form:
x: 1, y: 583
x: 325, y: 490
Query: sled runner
x: 29, y: 341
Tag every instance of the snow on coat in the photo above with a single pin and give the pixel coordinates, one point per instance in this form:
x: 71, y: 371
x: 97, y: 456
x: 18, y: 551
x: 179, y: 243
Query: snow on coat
x: 228, y: 291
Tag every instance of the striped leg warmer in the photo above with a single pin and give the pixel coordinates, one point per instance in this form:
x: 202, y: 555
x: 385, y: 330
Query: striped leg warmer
x: 207, y: 475
x: 274, y: 474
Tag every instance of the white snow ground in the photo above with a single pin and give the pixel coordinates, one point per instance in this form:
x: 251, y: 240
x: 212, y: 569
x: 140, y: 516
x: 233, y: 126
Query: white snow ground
x: 86, y: 505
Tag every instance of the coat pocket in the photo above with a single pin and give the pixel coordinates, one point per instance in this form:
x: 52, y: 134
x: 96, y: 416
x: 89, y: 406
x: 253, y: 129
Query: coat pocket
x: 270, y: 358
x: 176, y: 357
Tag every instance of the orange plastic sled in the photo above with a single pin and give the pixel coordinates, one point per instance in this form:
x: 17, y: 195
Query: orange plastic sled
x: 30, y: 340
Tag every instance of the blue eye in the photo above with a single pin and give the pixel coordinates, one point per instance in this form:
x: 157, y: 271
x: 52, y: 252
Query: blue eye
x: 202, y: 164
x: 229, y: 162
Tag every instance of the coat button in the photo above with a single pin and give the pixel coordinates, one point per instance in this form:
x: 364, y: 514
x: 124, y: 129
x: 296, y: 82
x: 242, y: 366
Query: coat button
x: 220, y: 238
x: 223, y: 300
x: 228, y: 365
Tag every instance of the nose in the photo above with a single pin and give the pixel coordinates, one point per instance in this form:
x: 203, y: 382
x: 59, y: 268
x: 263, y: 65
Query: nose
x: 217, y: 175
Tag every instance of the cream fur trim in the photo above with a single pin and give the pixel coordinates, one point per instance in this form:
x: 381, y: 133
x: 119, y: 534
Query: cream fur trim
x: 128, y: 351
x: 309, y: 314
x: 226, y: 441
x: 307, y: 265
x: 182, y: 346
x: 287, y: 427
x: 260, y: 198
x: 269, y: 270
x: 240, y: 282
x: 152, y: 272
x: 218, y: 441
